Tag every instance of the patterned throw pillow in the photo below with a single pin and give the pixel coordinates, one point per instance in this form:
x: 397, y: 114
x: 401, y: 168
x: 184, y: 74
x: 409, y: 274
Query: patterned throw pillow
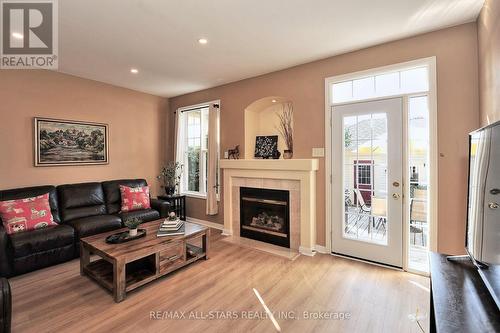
x: 134, y: 198
x: 26, y: 214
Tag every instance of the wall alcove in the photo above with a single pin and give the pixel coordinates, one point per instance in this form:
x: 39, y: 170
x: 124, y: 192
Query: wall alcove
x: 261, y: 118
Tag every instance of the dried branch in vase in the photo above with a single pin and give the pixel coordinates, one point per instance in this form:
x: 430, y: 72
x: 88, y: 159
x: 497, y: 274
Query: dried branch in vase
x: 285, y: 126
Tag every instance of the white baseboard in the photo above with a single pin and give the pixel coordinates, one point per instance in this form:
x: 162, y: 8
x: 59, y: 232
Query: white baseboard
x: 227, y: 232
x: 321, y: 249
x: 206, y: 223
x: 306, y: 251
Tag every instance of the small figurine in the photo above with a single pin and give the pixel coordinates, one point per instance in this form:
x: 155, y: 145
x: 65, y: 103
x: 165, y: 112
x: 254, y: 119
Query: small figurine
x: 234, y: 153
x: 276, y: 154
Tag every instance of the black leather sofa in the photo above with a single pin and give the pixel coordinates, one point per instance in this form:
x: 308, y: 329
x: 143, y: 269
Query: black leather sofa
x: 80, y: 210
x: 5, y: 306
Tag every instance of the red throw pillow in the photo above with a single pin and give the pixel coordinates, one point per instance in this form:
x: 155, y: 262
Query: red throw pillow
x: 26, y: 214
x: 134, y: 198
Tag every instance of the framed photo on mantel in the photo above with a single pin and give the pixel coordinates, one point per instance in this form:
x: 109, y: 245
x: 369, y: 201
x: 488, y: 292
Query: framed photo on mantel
x: 266, y: 146
x: 68, y: 142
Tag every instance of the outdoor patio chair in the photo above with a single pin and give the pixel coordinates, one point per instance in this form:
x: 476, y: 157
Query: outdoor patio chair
x: 418, y: 213
x: 362, y: 208
x: 379, y: 213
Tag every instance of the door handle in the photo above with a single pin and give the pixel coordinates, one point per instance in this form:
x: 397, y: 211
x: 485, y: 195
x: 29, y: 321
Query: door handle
x: 396, y: 196
x: 495, y: 191
x: 493, y: 205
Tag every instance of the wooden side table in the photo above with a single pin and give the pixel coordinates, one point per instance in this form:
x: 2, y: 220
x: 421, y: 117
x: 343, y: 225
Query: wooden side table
x: 178, y: 204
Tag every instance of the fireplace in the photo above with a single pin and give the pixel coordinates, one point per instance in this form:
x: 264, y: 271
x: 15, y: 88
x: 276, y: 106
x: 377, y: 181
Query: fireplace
x: 265, y: 215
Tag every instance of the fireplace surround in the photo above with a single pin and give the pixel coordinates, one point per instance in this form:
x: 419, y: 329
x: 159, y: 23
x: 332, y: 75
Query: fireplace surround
x: 265, y: 215
x: 298, y: 176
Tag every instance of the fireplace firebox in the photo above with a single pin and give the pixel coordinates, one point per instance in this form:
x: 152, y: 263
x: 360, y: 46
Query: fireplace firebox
x: 265, y: 215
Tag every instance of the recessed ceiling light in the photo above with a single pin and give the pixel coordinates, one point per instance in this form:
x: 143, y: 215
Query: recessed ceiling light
x: 134, y: 70
x: 203, y: 41
x: 17, y: 35
x: 274, y: 101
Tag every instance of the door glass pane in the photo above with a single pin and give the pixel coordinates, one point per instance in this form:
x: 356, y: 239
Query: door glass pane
x: 418, y: 157
x: 380, y: 180
x: 364, y: 128
x: 365, y: 178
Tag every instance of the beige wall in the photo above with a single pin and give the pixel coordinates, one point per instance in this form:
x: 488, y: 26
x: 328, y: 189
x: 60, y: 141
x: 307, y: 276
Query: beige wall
x: 136, y: 125
x: 457, y: 79
x: 262, y: 122
x: 489, y: 61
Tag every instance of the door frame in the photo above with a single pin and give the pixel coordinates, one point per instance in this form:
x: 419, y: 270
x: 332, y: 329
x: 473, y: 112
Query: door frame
x: 430, y: 62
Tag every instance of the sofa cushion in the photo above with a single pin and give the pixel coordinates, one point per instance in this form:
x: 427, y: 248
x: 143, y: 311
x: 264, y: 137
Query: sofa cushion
x: 26, y: 214
x: 37, y: 260
x: 81, y: 200
x: 27, y: 192
x: 144, y: 215
x: 27, y: 243
x: 92, y: 225
x: 112, y: 192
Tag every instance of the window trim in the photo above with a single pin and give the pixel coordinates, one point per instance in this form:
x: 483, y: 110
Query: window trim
x: 194, y: 194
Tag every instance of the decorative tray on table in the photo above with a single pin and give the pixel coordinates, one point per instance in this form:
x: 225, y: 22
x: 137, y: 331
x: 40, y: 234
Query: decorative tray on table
x: 124, y: 236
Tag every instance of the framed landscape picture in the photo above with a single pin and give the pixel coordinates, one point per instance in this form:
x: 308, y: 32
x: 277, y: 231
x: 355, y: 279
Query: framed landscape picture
x: 68, y: 142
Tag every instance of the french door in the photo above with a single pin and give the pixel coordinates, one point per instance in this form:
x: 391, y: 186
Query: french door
x: 367, y: 187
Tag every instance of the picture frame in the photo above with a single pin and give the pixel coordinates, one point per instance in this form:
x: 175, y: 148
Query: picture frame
x: 60, y: 142
x: 266, y: 146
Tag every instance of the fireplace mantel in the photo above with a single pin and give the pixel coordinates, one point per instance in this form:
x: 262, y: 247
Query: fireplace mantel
x: 254, y: 164
x: 275, y: 174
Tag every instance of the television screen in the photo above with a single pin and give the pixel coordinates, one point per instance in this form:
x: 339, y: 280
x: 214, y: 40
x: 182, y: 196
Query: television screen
x: 483, y: 227
x: 483, y: 211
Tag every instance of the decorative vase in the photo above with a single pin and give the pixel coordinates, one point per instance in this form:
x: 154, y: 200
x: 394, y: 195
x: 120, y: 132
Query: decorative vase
x: 169, y: 190
x: 132, y: 232
x: 287, y: 154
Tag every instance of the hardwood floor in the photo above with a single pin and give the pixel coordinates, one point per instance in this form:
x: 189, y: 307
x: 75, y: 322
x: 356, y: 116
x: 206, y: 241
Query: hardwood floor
x: 58, y: 299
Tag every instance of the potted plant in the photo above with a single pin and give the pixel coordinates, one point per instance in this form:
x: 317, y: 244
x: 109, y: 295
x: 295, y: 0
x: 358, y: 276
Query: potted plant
x: 172, y: 217
x: 286, y: 130
x: 170, y: 177
x: 132, y: 225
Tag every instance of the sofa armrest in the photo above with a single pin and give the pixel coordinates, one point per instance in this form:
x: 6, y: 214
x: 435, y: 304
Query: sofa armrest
x: 163, y: 207
x: 5, y: 261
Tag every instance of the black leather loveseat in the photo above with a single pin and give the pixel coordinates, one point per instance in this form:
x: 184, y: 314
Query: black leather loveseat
x: 80, y: 210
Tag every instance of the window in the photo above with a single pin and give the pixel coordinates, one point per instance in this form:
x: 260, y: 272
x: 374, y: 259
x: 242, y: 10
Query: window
x: 364, y: 174
x: 192, y: 149
x: 407, y: 81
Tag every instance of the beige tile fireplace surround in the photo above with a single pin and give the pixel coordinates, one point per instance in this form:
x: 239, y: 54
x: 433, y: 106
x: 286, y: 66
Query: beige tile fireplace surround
x: 298, y: 176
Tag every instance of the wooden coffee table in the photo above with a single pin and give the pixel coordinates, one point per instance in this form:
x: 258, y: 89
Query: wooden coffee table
x: 121, y: 268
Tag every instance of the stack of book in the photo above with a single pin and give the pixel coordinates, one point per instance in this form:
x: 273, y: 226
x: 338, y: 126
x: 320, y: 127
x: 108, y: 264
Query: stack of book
x: 171, y: 228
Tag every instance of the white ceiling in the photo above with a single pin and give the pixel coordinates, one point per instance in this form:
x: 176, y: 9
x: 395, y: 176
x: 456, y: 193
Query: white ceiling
x: 103, y: 39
